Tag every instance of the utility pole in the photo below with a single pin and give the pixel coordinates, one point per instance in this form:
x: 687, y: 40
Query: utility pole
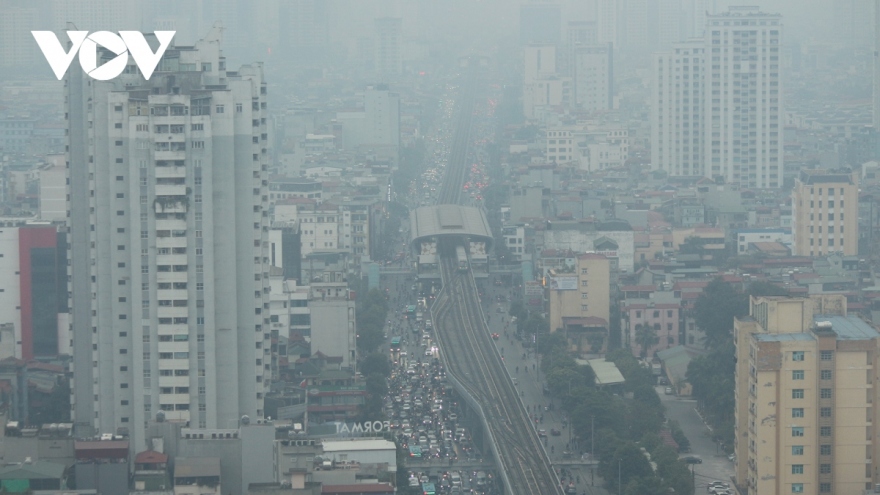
x: 618, y: 476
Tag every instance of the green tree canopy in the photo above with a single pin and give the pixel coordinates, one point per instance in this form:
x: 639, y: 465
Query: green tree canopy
x: 715, y: 310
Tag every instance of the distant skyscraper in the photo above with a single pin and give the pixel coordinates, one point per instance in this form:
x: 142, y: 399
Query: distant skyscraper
x: 17, y: 46
x: 576, y: 33
x: 593, y: 77
x: 540, y: 23
x: 876, y: 109
x: 388, y: 54
x: 743, y: 100
x: 608, y: 15
x: 168, y: 234
x: 676, y: 111
x: 701, y: 128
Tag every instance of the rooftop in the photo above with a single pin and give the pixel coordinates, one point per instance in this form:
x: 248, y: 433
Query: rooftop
x: 196, y: 467
x: 606, y: 372
x: 849, y: 327
x: 783, y: 337
x: 429, y: 221
x: 357, y: 444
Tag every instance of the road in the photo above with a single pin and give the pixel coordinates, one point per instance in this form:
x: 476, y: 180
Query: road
x: 716, y: 465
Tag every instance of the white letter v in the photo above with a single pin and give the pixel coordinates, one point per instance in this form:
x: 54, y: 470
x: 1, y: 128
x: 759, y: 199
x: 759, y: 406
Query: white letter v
x: 58, y: 60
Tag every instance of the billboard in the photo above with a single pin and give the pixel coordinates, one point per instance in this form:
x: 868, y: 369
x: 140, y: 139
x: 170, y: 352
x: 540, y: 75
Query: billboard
x: 533, y: 289
x: 563, y: 282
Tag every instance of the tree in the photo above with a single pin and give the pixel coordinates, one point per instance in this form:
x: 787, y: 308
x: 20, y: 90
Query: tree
x: 715, y: 310
x: 629, y: 461
x: 646, y: 338
x: 377, y: 363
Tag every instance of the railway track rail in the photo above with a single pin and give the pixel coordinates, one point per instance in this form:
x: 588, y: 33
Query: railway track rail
x: 469, y: 352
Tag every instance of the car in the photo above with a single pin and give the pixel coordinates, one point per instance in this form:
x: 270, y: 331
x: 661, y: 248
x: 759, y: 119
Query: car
x: 542, y: 433
x: 718, y: 486
x: 555, y: 432
x: 692, y: 459
x: 668, y: 391
x: 496, y: 336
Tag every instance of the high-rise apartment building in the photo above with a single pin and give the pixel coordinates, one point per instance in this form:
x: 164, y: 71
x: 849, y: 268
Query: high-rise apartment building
x: 743, y: 98
x: 676, y: 110
x: 576, y: 33
x: 717, y: 109
x: 825, y: 213
x: 593, y: 77
x: 388, y: 57
x: 806, y: 380
x: 168, y: 234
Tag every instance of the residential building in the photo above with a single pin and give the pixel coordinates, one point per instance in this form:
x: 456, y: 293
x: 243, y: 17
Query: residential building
x: 593, y: 77
x: 332, y: 310
x: 743, y: 99
x: 576, y: 33
x: 677, y: 111
x: 538, y: 73
x: 168, y: 234
x: 389, y: 45
x: 580, y: 303
x: 824, y: 209
x: 806, y: 380
x: 654, y: 320
x: 746, y: 237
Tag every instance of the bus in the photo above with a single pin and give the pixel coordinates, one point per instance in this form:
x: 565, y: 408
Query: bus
x: 410, y: 310
x: 461, y: 256
x: 415, y: 451
x: 428, y: 489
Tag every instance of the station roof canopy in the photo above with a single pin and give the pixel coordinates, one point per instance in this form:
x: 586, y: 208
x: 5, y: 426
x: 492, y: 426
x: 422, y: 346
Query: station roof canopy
x: 449, y: 220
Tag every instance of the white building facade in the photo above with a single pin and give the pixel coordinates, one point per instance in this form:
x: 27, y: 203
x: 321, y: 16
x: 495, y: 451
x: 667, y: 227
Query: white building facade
x: 168, y: 235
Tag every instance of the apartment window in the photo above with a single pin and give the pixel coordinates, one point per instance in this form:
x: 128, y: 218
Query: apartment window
x: 825, y: 393
x: 825, y: 431
x: 797, y: 375
x: 825, y: 487
x: 826, y: 374
x: 797, y: 469
x: 219, y: 109
x: 797, y: 488
x: 797, y: 356
x: 797, y: 412
x: 123, y: 385
x: 238, y: 108
x: 797, y: 431
x: 797, y: 450
x: 825, y: 412
x: 797, y: 393
x: 825, y: 449
x: 825, y: 468
x: 825, y: 355
x: 198, y: 127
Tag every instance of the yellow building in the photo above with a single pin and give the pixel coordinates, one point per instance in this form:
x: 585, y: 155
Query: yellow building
x: 580, y: 302
x: 806, y: 377
x: 825, y: 213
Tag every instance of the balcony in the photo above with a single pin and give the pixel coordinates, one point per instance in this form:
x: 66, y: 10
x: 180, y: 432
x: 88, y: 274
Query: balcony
x: 170, y: 172
x: 171, y: 190
x: 169, y: 155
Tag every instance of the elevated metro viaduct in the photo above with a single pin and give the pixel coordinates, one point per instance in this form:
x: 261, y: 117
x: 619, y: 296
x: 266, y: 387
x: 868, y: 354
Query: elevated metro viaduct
x: 437, y: 228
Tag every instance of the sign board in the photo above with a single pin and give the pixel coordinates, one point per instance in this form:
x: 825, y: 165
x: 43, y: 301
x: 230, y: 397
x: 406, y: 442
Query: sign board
x: 563, y: 282
x: 533, y: 289
x: 290, y: 412
x: 365, y: 427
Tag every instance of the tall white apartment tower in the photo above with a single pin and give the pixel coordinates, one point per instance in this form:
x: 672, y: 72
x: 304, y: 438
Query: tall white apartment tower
x: 168, y: 232
x: 743, y: 100
x: 676, y: 112
x: 389, y: 48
